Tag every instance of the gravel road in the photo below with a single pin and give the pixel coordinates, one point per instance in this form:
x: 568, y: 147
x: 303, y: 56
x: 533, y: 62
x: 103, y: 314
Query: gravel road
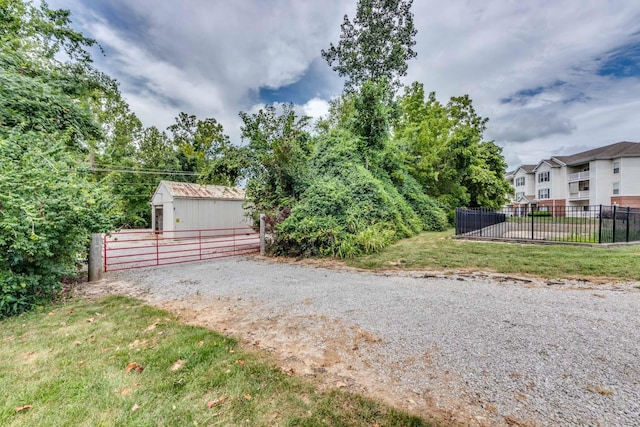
x: 465, y: 349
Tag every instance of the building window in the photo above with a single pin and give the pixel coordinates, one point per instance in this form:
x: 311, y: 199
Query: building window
x: 520, y: 181
x: 616, y: 188
x: 519, y: 195
x: 544, y: 193
x: 616, y: 166
x: 544, y: 176
x: 543, y: 209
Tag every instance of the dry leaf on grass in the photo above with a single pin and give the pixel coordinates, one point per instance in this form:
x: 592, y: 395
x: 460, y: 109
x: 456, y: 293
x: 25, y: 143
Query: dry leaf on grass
x: 289, y: 371
x: 91, y: 319
x: 247, y: 396
x: 200, y: 343
x: 240, y: 362
x: 179, y: 364
x: 134, y: 366
x: 135, y: 407
x: 23, y: 408
x: 215, y: 402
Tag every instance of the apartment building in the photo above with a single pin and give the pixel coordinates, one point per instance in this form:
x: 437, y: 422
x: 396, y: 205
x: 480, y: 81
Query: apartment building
x: 607, y: 175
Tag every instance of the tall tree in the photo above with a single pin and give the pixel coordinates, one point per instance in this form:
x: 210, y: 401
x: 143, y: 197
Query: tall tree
x: 48, y: 206
x: 278, y: 152
x: 203, y: 147
x: 444, y: 150
x: 376, y: 45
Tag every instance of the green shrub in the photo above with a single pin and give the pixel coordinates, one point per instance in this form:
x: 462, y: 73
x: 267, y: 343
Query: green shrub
x: 539, y: 213
x: 350, y: 210
x: 47, y: 212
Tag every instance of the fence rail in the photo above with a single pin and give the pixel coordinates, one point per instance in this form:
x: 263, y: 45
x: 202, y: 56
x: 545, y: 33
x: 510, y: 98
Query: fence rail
x: 576, y: 224
x: 125, y: 250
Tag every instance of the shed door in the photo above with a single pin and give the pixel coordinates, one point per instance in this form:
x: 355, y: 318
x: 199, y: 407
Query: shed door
x: 159, y: 218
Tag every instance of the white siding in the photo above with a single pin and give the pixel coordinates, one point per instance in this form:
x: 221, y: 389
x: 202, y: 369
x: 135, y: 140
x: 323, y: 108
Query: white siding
x: 197, y: 214
x: 600, y: 182
x: 183, y: 213
x: 547, y: 184
x: 529, y: 182
x: 167, y: 215
x: 629, y: 176
x: 559, y: 188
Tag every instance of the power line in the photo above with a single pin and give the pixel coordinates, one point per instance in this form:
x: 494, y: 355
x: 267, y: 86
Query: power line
x: 144, y: 172
x: 112, y: 166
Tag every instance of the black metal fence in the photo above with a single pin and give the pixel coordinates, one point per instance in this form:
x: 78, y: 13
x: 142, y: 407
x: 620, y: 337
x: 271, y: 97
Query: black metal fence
x: 582, y: 224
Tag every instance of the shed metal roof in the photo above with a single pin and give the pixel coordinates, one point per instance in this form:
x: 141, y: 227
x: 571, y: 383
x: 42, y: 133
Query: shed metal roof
x: 197, y: 191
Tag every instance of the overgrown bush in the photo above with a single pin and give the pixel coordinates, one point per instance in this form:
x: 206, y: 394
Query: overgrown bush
x: 47, y: 211
x: 348, y: 210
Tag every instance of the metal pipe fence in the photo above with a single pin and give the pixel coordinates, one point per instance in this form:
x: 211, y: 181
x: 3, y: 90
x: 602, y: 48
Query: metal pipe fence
x: 575, y: 224
x: 129, y: 249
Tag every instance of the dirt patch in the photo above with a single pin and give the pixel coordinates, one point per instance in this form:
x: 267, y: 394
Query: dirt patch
x: 324, y: 350
x: 574, y: 283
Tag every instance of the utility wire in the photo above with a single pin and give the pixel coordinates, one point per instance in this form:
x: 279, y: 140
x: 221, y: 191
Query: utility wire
x: 111, y: 166
x: 144, y: 172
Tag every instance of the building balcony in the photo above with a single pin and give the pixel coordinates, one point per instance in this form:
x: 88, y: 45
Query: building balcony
x: 580, y: 195
x: 579, y: 176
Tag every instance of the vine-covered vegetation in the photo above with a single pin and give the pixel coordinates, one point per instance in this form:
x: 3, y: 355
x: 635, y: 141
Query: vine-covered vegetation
x: 380, y: 167
x: 386, y: 163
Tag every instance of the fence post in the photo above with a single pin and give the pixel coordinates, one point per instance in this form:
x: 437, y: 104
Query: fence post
x: 96, y: 261
x: 615, y: 213
x: 628, y: 212
x: 532, y: 225
x: 200, y: 243
x: 481, y: 216
x: 158, y: 250
x: 600, y: 226
x: 262, y: 234
x: 455, y: 224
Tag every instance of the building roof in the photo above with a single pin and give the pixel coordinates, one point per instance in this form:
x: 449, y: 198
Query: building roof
x: 551, y: 162
x: 612, y: 151
x: 197, y: 191
x: 527, y: 199
x: 527, y: 168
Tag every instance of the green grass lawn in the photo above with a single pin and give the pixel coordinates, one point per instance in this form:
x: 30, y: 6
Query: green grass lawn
x: 116, y: 361
x: 438, y: 251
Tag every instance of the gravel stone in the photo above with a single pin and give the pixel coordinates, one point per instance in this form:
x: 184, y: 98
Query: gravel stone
x: 538, y: 352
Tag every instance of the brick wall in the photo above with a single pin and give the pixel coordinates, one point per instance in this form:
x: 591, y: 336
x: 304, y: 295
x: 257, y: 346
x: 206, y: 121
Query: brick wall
x: 626, y: 201
x: 556, y: 206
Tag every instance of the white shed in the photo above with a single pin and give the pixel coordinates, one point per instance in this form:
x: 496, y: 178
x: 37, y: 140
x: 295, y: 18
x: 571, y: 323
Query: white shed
x: 184, y: 206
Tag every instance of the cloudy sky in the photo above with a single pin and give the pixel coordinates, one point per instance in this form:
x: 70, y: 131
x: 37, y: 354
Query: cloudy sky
x: 554, y: 77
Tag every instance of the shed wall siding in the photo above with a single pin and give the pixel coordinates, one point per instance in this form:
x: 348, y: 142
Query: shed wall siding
x: 194, y: 214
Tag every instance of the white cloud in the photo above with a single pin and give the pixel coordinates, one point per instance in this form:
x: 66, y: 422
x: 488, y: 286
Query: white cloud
x: 210, y: 58
x: 316, y: 108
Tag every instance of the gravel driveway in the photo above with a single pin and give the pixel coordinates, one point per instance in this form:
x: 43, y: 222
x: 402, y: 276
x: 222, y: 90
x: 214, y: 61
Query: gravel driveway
x: 474, y: 350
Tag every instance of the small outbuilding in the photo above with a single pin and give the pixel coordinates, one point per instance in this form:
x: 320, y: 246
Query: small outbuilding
x: 179, y: 206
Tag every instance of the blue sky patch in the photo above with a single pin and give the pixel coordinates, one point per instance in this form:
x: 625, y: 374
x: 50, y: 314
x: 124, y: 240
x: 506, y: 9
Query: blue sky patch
x: 622, y: 62
x: 521, y: 96
x: 317, y: 81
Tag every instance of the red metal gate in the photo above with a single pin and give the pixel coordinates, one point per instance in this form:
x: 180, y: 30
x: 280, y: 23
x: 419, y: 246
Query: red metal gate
x: 145, y: 248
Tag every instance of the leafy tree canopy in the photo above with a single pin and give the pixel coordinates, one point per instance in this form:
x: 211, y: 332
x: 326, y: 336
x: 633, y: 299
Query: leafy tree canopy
x: 376, y: 45
x: 48, y: 204
x: 444, y: 150
x: 277, y: 155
